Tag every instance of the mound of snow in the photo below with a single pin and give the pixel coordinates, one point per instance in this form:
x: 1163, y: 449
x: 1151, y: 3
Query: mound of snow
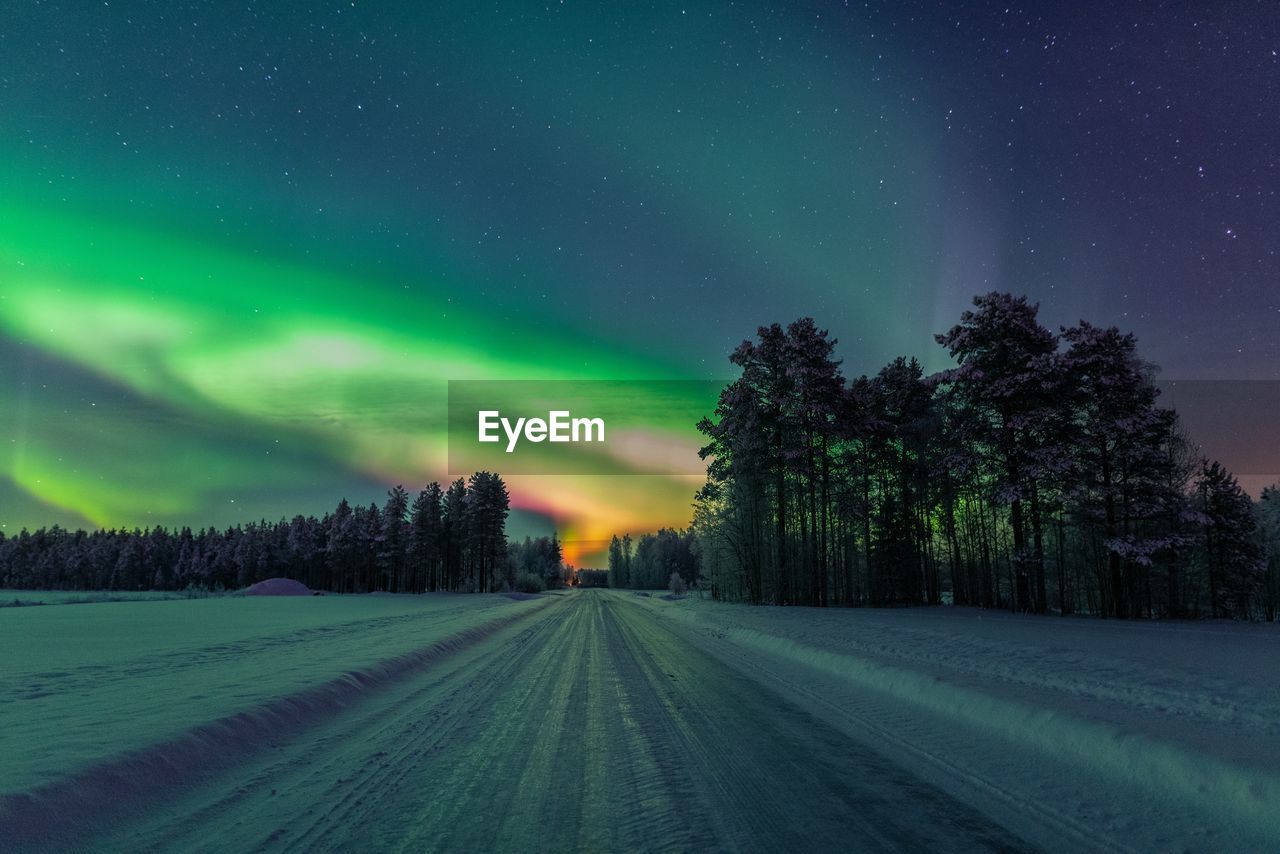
x: 278, y: 587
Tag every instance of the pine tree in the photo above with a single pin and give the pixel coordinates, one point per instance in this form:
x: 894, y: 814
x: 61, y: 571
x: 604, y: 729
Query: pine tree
x: 553, y: 561
x: 454, y: 532
x: 1117, y: 435
x: 617, y: 571
x: 487, y: 505
x: 1004, y: 379
x: 1269, y: 533
x: 394, y: 540
x: 425, y: 529
x: 341, y: 548
x: 1230, y: 544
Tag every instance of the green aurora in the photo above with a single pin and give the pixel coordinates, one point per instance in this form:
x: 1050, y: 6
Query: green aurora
x: 237, y: 273
x: 311, y: 367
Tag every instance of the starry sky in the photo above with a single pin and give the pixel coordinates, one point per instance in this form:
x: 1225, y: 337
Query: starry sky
x: 243, y: 247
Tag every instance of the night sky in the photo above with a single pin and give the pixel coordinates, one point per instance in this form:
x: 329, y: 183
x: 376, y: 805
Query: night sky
x: 242, y: 249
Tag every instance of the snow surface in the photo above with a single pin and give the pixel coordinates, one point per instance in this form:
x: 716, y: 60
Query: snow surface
x: 602, y: 720
x: 77, y: 684
x: 1150, y: 735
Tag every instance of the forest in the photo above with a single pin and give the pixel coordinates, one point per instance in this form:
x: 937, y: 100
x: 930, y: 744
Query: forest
x: 451, y: 538
x: 1038, y: 475
x: 651, y: 561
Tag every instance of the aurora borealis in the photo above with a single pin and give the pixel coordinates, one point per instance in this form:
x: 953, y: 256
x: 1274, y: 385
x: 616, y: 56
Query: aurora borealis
x: 242, y: 250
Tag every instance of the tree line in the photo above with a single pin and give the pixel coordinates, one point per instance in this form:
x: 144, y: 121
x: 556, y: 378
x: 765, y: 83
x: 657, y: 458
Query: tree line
x: 649, y: 562
x: 448, y: 538
x: 1039, y: 474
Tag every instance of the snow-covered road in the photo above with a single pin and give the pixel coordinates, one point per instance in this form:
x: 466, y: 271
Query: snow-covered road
x: 612, y: 721
x: 589, y: 723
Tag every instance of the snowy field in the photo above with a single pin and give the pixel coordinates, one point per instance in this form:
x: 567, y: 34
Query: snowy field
x: 78, y: 683
x: 603, y: 720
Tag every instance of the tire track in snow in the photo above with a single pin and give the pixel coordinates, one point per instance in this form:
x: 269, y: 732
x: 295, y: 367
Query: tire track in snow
x: 592, y: 726
x: 757, y: 748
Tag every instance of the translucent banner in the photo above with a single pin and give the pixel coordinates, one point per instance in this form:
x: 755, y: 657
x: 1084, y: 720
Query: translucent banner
x: 602, y: 427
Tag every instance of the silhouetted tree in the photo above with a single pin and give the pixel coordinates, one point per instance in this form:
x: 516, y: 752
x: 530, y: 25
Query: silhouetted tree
x: 1230, y: 545
x: 1025, y: 464
x: 425, y: 535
